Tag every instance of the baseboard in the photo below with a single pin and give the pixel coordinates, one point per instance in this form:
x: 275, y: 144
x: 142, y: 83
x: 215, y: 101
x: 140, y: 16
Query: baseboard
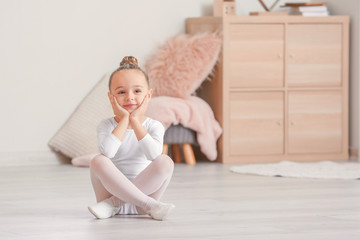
x: 54, y: 158
x: 354, y: 154
x: 32, y: 158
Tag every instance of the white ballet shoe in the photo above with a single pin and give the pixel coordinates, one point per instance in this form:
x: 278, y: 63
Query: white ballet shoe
x: 104, y: 209
x: 162, y: 211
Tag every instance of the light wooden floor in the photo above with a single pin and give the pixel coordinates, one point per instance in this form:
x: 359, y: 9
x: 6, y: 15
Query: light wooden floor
x: 50, y: 202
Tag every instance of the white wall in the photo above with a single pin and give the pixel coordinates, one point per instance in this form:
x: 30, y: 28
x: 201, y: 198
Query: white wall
x: 52, y: 52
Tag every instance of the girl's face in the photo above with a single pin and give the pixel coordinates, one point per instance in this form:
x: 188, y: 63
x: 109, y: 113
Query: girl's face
x: 129, y: 86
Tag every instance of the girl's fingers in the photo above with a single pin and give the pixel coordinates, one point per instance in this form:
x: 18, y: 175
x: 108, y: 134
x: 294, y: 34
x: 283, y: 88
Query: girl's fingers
x: 112, y: 99
x: 115, y: 101
x: 144, y: 104
x: 145, y: 100
x: 118, y: 107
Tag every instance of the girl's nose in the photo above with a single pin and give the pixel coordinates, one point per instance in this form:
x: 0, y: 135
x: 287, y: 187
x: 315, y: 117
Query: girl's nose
x: 130, y: 96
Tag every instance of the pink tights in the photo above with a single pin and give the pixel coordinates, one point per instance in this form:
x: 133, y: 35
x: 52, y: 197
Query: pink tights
x: 144, y: 191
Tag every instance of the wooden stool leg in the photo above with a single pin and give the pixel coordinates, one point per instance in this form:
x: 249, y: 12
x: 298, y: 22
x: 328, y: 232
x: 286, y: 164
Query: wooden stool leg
x: 189, y: 154
x: 175, y: 149
x: 165, y: 149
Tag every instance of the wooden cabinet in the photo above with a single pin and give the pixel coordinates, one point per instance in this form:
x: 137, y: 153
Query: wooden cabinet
x: 315, y: 122
x: 256, y: 55
x: 256, y: 123
x: 280, y: 89
x: 314, y: 54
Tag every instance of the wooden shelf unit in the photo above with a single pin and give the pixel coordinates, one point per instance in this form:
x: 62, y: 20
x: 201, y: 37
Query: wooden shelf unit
x: 281, y: 87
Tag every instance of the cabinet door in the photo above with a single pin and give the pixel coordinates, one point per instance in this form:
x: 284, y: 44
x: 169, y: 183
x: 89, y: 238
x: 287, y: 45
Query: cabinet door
x: 315, y: 122
x: 255, y: 53
x: 256, y: 123
x: 314, y: 54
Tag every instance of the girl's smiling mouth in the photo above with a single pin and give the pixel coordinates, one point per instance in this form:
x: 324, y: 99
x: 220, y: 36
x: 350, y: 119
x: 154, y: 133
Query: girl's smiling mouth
x: 129, y: 106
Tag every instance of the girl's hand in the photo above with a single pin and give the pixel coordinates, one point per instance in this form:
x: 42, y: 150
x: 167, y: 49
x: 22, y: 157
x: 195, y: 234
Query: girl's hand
x: 117, y: 109
x: 140, y: 111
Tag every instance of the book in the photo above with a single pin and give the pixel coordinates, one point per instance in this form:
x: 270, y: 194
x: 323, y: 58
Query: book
x: 315, y: 14
x: 308, y: 13
x: 307, y: 10
x: 299, y: 4
x: 313, y: 9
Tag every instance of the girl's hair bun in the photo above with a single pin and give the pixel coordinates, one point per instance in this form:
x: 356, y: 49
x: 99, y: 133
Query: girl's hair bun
x: 129, y: 61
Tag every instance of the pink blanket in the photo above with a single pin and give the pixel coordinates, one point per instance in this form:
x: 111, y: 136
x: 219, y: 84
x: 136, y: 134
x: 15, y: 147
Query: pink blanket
x: 193, y: 113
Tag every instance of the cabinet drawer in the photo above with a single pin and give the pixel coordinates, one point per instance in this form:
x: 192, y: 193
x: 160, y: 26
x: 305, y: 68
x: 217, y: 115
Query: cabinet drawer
x: 314, y: 55
x: 255, y: 53
x: 315, y: 122
x: 256, y: 123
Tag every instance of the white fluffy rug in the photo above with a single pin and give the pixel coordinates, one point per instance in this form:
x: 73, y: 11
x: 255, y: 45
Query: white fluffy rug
x: 324, y: 169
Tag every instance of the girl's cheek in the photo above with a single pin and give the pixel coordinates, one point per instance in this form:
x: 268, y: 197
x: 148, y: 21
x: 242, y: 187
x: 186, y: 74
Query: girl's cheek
x: 119, y: 101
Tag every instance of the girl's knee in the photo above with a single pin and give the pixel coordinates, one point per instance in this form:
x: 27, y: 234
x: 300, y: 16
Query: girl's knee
x: 99, y: 161
x: 165, y: 163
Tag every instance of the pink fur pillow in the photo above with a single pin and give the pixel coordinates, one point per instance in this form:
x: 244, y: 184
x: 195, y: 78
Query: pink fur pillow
x: 179, y: 67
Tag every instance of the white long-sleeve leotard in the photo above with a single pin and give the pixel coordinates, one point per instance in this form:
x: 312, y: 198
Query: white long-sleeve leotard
x: 131, y: 156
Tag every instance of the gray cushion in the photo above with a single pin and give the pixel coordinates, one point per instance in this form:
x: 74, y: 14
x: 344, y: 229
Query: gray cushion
x: 177, y: 134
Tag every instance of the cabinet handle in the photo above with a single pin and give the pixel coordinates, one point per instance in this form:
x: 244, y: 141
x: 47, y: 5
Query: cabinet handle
x: 280, y: 123
x: 280, y: 55
x: 292, y: 55
x: 292, y: 123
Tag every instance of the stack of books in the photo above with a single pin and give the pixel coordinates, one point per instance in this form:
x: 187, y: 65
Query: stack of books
x: 313, y: 9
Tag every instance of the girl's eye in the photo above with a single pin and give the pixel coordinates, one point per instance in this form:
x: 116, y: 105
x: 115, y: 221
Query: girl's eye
x: 138, y: 91
x: 122, y: 92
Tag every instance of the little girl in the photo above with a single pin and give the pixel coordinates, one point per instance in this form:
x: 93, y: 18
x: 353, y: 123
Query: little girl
x: 131, y: 174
